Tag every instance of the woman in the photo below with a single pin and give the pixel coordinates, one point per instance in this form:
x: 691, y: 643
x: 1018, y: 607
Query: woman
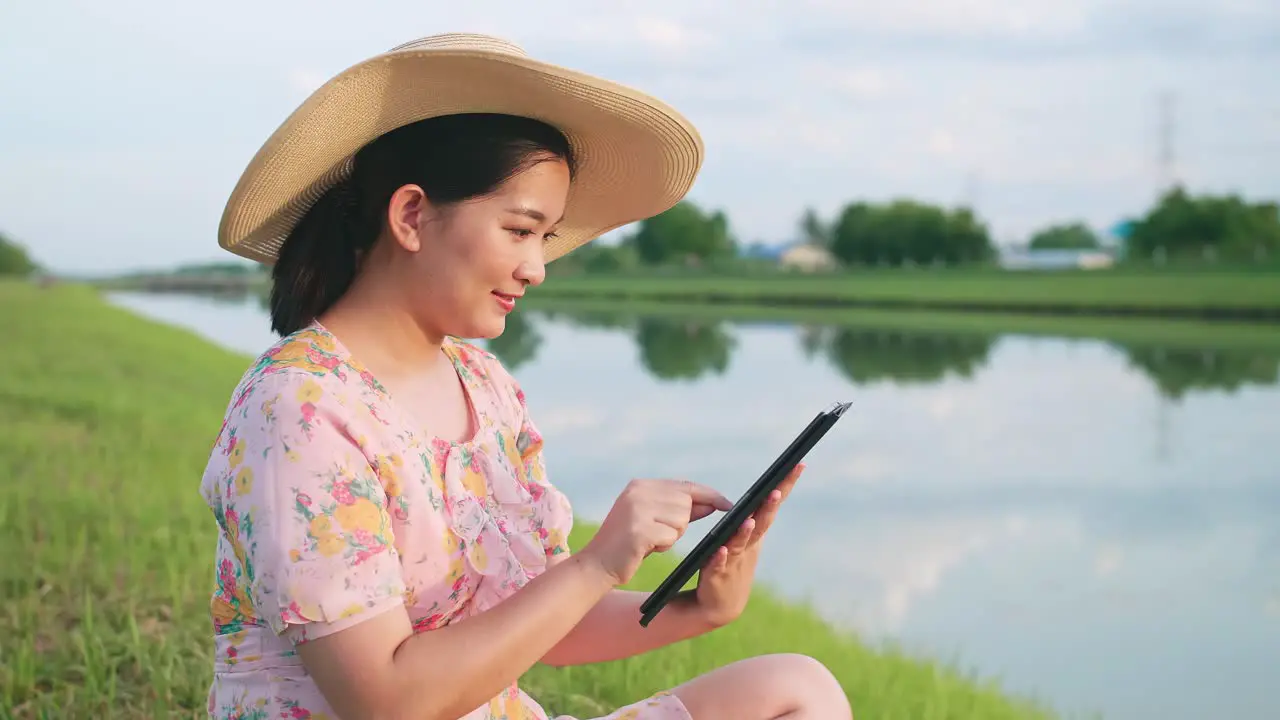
x: 390, y: 546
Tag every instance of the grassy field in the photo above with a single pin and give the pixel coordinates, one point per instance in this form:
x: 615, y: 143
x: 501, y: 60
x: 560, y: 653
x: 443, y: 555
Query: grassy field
x: 1183, y: 293
x: 108, y: 421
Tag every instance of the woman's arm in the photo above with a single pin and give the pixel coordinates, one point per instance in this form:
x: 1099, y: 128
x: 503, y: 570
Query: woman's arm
x: 379, y: 669
x: 568, y: 615
x: 612, y: 631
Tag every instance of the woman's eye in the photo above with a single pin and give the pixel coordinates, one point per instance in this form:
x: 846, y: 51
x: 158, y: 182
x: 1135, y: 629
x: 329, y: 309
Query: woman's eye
x: 521, y: 233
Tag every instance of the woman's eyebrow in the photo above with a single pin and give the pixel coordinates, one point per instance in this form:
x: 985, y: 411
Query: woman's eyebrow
x: 532, y: 213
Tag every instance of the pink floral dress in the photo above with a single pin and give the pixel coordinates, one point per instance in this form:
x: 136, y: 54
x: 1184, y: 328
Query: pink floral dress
x: 332, y: 508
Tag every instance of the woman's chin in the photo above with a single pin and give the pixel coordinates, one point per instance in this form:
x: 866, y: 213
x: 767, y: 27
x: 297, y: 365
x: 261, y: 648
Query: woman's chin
x: 486, y: 328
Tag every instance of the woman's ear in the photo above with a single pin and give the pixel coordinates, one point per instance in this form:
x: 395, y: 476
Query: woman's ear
x: 407, y: 214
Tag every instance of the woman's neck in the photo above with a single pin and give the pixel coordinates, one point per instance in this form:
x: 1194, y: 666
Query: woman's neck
x: 383, y: 335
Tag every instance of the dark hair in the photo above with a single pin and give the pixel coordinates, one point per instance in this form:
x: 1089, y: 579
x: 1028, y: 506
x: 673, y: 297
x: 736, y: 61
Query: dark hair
x: 452, y: 158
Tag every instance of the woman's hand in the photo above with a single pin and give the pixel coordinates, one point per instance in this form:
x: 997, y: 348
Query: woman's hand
x: 724, y: 584
x: 649, y: 516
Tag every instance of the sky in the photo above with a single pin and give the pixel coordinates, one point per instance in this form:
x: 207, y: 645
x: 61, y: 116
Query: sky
x: 124, y: 126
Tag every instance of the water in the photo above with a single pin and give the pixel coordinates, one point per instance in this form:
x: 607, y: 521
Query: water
x: 1093, y: 524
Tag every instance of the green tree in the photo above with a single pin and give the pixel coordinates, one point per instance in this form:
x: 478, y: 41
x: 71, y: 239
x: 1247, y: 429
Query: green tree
x: 814, y: 230
x: 595, y: 257
x: 683, y: 233
x: 1183, y: 225
x: 14, y: 259
x: 1065, y: 236
x: 908, y: 231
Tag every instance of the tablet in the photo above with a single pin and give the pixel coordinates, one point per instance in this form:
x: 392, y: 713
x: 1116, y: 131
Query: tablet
x: 741, y: 510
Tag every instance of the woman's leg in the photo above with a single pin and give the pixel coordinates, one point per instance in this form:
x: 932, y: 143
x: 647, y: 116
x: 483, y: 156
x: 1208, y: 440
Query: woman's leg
x: 769, y: 687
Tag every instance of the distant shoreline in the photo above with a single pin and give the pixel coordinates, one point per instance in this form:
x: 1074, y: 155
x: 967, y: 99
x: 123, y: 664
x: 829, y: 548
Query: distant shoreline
x: 1221, y: 294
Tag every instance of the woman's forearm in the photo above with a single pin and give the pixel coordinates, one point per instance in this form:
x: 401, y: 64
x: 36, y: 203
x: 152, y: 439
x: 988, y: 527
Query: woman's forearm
x: 611, y: 630
x: 381, y: 669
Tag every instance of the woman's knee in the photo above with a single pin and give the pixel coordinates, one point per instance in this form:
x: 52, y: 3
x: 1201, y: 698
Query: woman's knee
x: 814, y: 690
x: 765, y: 687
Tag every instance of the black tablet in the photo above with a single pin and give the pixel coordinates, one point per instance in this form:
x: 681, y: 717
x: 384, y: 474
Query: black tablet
x: 741, y: 510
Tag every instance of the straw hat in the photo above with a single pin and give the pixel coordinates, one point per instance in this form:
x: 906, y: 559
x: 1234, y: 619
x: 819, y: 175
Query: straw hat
x: 636, y: 156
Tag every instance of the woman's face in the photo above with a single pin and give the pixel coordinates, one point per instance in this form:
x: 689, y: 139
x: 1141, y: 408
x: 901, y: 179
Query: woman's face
x: 462, y: 270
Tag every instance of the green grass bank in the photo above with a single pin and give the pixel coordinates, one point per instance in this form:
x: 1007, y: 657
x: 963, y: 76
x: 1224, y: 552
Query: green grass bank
x: 1165, y: 332
x: 107, y: 422
x: 1243, y: 294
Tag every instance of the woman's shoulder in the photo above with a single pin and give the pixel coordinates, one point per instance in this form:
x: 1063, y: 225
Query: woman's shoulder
x: 307, y: 367
x: 310, y: 350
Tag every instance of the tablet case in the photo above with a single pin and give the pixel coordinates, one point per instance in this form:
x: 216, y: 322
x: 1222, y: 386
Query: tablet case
x: 746, y: 505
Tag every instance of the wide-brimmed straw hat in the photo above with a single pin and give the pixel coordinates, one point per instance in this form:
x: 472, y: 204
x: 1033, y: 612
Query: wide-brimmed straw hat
x: 636, y: 156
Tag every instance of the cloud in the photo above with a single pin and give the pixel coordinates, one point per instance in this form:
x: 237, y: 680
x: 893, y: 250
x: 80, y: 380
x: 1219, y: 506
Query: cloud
x: 1039, y: 29
x: 862, y: 82
x: 866, y: 467
x: 666, y: 36
x: 942, y: 143
x: 955, y: 18
x: 306, y: 81
x: 1039, y: 111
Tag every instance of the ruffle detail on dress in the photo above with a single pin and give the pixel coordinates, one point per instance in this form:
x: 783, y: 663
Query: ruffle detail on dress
x: 498, y: 519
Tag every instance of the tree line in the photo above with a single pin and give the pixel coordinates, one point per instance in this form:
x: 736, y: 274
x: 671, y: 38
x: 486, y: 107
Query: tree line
x: 1178, y: 225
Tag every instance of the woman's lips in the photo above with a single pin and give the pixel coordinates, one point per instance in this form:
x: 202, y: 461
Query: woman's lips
x: 505, y: 300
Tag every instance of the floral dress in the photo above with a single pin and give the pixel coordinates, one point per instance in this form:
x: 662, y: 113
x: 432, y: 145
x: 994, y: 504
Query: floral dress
x: 332, y: 509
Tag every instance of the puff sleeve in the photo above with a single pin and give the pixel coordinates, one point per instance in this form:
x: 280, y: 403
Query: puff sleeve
x: 302, y: 508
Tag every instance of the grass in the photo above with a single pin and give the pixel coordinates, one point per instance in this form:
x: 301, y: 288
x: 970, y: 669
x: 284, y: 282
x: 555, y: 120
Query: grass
x: 1240, y: 293
x: 107, y: 424
x: 1165, y: 332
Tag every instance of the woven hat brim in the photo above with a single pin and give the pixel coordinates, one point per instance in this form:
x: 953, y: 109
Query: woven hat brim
x: 637, y: 157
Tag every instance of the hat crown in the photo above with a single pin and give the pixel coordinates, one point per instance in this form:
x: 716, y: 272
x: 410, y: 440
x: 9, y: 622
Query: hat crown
x: 463, y: 41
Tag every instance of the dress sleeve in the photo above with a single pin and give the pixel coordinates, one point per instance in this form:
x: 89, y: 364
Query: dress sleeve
x: 303, y: 510
x: 557, y: 520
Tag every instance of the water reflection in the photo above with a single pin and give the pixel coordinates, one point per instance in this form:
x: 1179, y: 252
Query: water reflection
x: 682, y: 349
x: 1178, y: 371
x: 671, y: 349
x: 685, y: 349
x: 865, y: 356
